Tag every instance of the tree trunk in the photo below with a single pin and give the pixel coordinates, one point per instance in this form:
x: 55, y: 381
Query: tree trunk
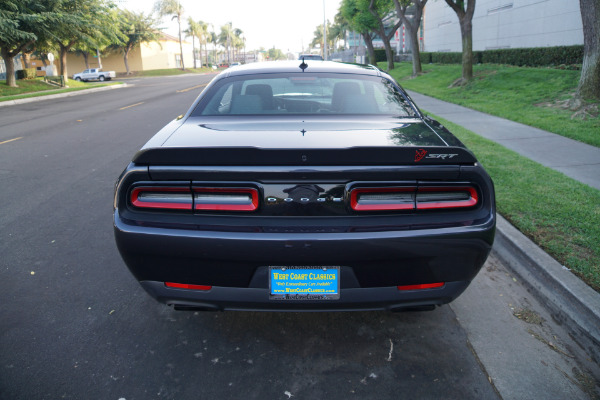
x: 416, y: 53
x: 26, y: 57
x: 589, y: 82
x: 86, y: 59
x: 64, y: 49
x: 180, y: 44
x: 126, y: 59
x: 370, y: 49
x: 466, y: 31
x: 10, y: 68
x: 412, y: 27
x: 465, y: 18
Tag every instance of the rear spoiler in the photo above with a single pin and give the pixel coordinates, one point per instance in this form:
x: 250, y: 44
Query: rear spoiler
x: 428, y: 155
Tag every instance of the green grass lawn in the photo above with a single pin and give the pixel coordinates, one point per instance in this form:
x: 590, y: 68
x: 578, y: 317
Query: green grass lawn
x: 558, y: 213
x: 514, y: 93
x: 37, y: 87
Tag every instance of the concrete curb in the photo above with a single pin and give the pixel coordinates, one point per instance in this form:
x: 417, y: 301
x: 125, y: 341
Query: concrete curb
x: 59, y: 95
x: 571, y: 302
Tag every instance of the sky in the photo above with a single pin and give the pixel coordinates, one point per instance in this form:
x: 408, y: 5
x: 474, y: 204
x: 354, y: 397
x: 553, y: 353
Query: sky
x: 284, y: 24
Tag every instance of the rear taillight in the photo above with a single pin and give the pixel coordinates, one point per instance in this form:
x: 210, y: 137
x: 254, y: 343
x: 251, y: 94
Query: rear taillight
x: 169, y: 198
x: 446, y: 197
x: 187, y: 286
x: 225, y: 199
x: 422, y: 286
x: 411, y: 198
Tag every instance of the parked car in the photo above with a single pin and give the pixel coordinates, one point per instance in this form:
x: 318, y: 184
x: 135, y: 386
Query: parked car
x: 95, y: 74
x: 304, y: 186
x: 234, y: 64
x: 307, y: 57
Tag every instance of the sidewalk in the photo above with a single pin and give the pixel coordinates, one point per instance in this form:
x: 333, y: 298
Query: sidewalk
x: 571, y: 302
x: 577, y: 160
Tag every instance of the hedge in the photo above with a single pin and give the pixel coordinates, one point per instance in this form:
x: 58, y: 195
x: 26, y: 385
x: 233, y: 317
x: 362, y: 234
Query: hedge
x: 27, y: 73
x: 380, y: 55
x: 531, y: 57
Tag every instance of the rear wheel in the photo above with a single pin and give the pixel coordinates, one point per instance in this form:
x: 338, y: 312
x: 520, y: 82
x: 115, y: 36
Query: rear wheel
x: 101, y: 78
x: 78, y: 79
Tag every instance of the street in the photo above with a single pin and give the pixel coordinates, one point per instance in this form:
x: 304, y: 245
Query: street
x: 77, y: 325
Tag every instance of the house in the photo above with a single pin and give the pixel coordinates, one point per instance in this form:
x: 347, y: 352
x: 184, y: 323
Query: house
x: 148, y: 56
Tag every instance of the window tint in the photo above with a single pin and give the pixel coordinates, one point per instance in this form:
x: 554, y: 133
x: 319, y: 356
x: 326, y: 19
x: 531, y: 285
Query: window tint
x: 303, y: 93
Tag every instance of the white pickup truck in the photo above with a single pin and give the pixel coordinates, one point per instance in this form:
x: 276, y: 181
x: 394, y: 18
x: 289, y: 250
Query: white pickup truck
x: 96, y: 74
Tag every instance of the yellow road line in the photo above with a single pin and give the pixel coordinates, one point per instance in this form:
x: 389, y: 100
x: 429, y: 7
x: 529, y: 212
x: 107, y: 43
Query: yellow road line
x: 133, y: 105
x: 11, y: 140
x: 191, y: 88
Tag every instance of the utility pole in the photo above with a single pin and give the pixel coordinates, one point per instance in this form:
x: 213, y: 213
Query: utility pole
x: 324, y: 34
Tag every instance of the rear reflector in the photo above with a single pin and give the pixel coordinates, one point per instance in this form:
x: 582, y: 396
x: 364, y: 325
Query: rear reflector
x: 411, y: 198
x: 422, y: 286
x: 225, y: 199
x: 170, y: 198
x: 186, y: 286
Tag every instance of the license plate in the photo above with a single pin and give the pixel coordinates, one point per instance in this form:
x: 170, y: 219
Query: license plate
x: 304, y: 283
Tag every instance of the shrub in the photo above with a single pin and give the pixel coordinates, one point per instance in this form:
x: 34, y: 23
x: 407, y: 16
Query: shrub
x: 559, y: 56
x: 27, y: 73
x: 536, y: 56
x: 425, y: 57
x: 380, y: 55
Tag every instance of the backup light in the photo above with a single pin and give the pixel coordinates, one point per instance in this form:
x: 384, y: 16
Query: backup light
x: 379, y: 199
x: 170, y: 198
x: 225, y: 199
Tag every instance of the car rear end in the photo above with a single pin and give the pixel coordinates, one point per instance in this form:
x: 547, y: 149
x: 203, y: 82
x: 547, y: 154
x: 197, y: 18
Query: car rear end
x: 290, y: 209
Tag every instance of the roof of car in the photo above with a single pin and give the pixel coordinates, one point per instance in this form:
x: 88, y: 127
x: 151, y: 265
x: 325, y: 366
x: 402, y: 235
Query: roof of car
x: 294, y: 66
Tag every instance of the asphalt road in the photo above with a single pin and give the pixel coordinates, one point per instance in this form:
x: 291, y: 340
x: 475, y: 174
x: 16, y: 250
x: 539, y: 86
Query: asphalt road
x: 76, y: 325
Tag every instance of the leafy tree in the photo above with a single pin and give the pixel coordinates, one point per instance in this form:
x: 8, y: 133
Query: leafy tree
x: 412, y: 26
x: 82, y: 21
x: 360, y: 20
x: 380, y: 9
x: 589, y: 82
x: 137, y: 29
x: 464, y: 10
x: 275, y: 54
x: 174, y: 8
x: 22, y: 23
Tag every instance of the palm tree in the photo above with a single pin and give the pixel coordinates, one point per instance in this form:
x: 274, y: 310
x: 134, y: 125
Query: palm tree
x: 225, y: 38
x: 174, y: 8
x: 194, y: 31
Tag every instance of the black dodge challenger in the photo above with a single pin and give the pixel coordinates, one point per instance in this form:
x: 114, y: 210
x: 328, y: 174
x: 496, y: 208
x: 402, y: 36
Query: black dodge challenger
x: 304, y: 186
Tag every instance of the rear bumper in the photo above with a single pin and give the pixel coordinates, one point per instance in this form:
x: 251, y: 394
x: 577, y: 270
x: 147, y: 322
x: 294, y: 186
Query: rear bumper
x: 372, y: 264
x: 253, y: 299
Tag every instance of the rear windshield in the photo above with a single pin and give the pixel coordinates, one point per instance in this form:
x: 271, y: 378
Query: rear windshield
x: 303, y: 93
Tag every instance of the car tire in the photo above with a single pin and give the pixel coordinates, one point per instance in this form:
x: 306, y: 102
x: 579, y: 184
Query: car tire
x: 78, y: 79
x: 101, y: 78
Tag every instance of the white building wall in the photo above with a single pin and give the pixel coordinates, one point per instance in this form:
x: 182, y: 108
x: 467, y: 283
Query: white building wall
x: 502, y: 24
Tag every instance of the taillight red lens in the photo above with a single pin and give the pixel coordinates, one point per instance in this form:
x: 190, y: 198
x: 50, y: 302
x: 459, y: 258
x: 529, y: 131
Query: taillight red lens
x: 422, y: 286
x: 380, y: 199
x: 170, y: 198
x: 446, y: 197
x: 225, y: 199
x: 410, y: 198
x: 187, y: 286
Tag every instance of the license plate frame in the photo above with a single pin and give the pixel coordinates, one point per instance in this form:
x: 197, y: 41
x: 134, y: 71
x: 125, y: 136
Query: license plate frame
x: 305, y: 283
